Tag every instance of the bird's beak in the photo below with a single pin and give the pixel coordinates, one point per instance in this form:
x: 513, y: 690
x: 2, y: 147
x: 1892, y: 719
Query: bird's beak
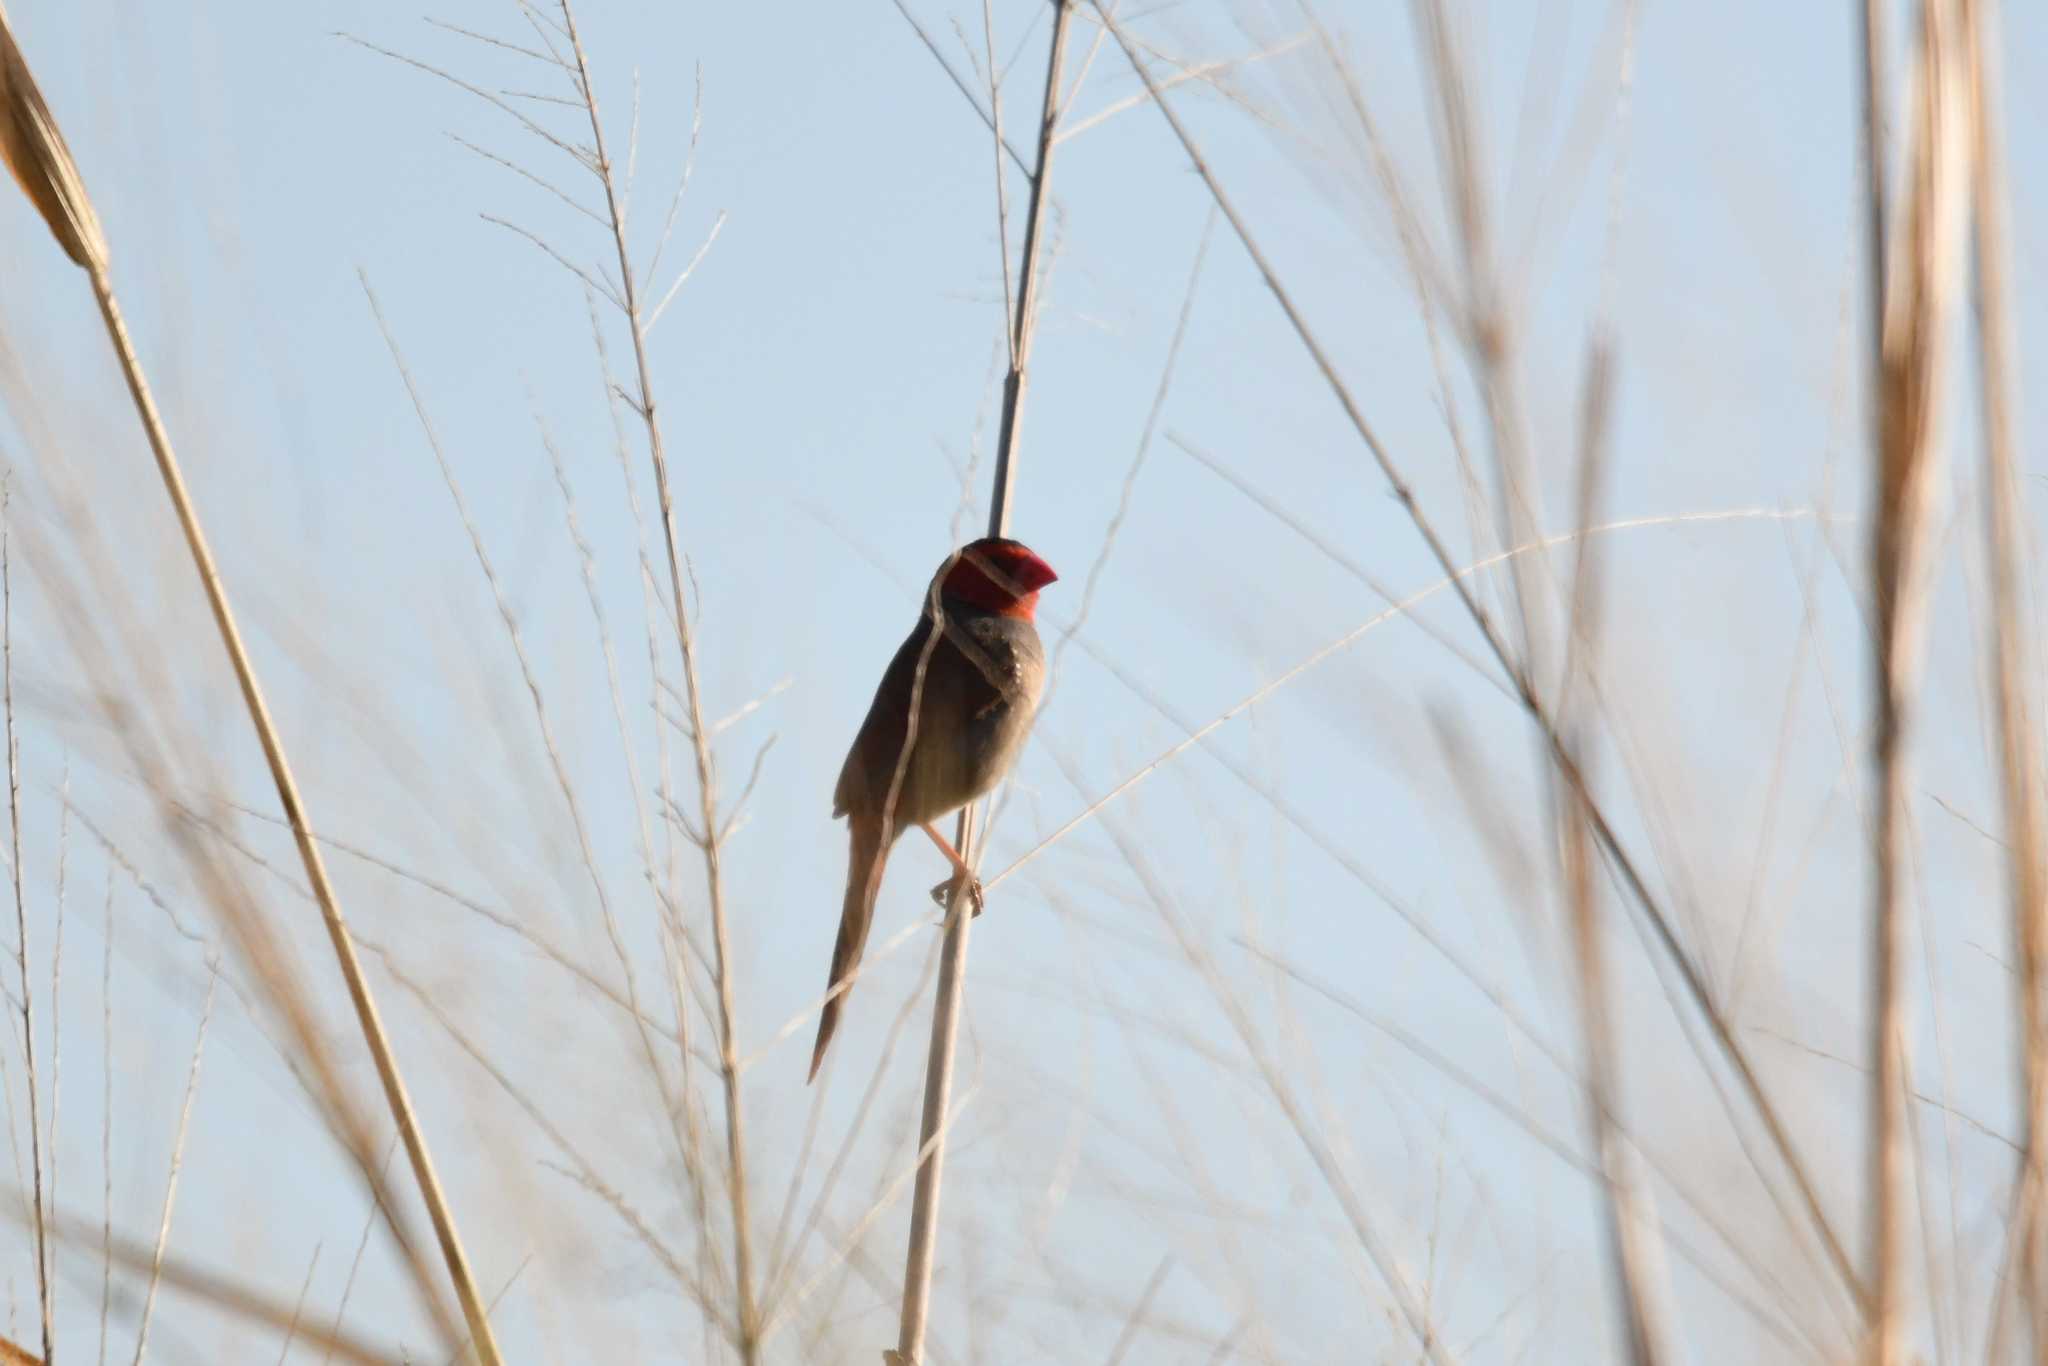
x: 1033, y: 573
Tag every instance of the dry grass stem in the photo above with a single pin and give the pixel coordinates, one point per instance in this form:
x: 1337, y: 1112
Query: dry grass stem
x: 1639, y: 1282
x: 672, y: 1106
x: 1783, y: 1322
x: 1624, y: 864
x: 1874, y: 92
x: 785, y: 1266
x: 1201, y: 71
x: 1020, y: 327
x: 44, y: 1303
x: 850, y: 1237
x: 1922, y: 289
x: 1127, y: 494
x: 107, y: 1124
x: 2014, y: 667
x: 1135, y: 1320
x: 348, y: 1285
x: 228, y: 1294
x: 960, y: 82
x: 585, y: 1172
x: 291, y: 1330
x: 1280, y: 1086
x: 36, y: 152
x: 643, y: 404
x: 163, y: 1228
x: 56, y: 1001
x: 1337, y: 555
x: 1398, y: 610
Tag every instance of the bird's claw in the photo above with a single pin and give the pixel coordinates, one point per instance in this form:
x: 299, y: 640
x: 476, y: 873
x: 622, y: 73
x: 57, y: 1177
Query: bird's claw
x: 943, y: 893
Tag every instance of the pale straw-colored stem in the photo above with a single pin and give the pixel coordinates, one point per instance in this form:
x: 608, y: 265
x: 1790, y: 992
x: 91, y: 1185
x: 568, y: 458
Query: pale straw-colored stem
x: 1624, y: 864
x: 700, y: 735
x: 2013, y: 669
x: 1632, y: 1236
x: 1922, y: 285
x: 938, y: 1077
x: 35, y: 152
x: 44, y: 1303
x: 163, y: 1225
x: 367, y: 1015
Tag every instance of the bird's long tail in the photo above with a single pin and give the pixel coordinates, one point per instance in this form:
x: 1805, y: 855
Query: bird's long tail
x: 868, y: 854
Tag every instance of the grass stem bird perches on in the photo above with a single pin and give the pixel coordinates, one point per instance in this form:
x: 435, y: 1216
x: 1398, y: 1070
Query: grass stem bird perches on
x: 938, y: 1083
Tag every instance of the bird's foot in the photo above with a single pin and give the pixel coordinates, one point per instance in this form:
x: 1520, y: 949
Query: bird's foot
x: 943, y: 893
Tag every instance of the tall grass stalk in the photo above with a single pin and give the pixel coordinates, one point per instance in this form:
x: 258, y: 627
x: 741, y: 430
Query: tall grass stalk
x: 709, y: 832
x: 2014, y: 664
x: 163, y: 1226
x: 1022, y: 327
x: 2014, y: 670
x: 36, y: 153
x: 1639, y: 1282
x: 226, y: 1291
x: 1923, y: 285
x: 44, y: 1304
x: 1621, y: 861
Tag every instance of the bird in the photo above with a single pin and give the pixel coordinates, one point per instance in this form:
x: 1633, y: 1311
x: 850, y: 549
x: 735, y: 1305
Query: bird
x: 977, y: 687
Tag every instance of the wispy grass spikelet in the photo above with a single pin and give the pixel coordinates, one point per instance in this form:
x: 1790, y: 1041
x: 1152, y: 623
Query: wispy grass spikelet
x: 34, y: 150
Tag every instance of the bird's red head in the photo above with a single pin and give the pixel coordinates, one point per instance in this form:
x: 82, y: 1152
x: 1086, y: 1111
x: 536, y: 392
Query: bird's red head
x: 997, y: 575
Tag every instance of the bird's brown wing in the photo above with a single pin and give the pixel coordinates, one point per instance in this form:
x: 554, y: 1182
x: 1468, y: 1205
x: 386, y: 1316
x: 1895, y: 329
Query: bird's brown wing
x: 880, y: 737
x: 863, y: 791
x: 878, y: 747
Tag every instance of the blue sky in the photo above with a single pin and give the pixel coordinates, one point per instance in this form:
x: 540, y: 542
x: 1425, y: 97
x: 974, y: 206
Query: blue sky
x: 824, y: 379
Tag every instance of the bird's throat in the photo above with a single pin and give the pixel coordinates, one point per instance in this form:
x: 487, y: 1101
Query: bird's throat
x: 983, y: 596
